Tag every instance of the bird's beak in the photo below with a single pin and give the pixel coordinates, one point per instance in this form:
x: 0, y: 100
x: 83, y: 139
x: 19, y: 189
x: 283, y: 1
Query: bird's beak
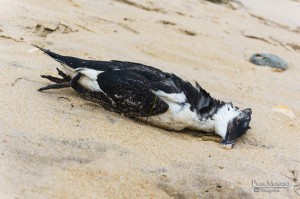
x: 228, y: 144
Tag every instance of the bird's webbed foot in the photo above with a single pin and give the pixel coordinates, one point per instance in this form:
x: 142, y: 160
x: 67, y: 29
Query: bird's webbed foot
x: 65, y: 77
x: 64, y: 82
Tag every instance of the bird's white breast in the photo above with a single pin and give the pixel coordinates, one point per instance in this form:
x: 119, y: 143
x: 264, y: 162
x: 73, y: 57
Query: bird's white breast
x: 179, y: 115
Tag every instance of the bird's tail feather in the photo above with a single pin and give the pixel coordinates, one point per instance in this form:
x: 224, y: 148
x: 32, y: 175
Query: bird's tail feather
x: 64, y: 60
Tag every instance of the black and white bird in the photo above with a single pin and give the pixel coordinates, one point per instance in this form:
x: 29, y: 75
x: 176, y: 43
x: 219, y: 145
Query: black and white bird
x: 149, y: 94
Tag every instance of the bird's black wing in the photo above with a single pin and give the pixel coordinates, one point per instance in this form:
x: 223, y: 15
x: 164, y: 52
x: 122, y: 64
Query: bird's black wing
x: 131, y: 94
x: 199, y: 99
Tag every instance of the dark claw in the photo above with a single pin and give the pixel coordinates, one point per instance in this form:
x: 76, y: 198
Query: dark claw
x: 56, y: 86
x: 63, y: 75
x: 53, y: 79
x: 64, y: 84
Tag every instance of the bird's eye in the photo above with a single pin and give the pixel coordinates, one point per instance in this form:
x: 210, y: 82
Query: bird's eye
x: 238, y: 120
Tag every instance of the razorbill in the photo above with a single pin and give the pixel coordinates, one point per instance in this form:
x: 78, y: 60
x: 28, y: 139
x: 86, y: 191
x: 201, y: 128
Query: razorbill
x: 151, y: 95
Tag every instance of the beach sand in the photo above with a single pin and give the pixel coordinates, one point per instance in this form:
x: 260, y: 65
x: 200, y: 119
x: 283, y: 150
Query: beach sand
x: 55, y: 144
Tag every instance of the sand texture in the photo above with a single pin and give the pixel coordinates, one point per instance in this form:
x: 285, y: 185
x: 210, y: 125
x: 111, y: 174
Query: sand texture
x: 55, y: 144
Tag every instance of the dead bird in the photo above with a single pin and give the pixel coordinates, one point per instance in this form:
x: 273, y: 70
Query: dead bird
x: 151, y: 95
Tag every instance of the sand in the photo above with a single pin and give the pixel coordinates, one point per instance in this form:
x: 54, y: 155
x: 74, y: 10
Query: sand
x: 56, y: 144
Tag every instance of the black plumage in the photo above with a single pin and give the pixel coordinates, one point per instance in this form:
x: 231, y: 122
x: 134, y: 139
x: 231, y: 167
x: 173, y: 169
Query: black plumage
x: 134, y: 81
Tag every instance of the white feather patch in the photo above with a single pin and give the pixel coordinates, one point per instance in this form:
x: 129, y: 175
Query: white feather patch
x: 171, y: 97
x: 222, y: 118
x: 89, y: 84
x: 89, y: 78
x: 70, y: 71
x: 90, y: 73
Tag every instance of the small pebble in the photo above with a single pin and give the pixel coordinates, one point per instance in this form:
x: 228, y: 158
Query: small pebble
x: 264, y: 59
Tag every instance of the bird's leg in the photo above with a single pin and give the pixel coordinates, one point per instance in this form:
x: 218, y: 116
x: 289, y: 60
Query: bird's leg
x: 65, y: 78
x: 53, y: 79
x: 77, y: 87
x: 61, y: 84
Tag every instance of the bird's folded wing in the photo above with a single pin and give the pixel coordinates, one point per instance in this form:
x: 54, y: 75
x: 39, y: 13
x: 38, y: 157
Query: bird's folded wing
x: 131, y: 94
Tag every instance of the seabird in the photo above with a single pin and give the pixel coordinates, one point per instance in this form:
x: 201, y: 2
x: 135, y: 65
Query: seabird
x: 150, y: 95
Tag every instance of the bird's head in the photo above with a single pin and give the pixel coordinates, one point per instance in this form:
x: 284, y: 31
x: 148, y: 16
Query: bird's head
x: 232, y: 123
